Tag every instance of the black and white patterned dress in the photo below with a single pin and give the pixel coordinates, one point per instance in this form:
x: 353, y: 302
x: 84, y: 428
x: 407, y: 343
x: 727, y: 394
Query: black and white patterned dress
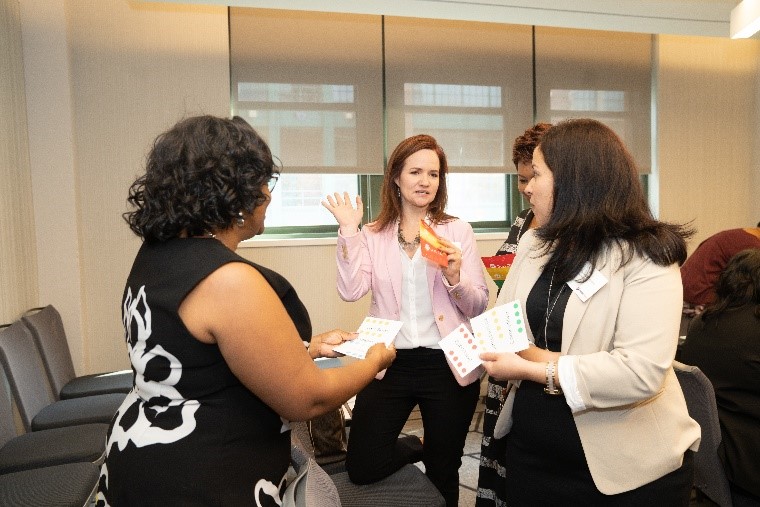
x: 491, y: 474
x: 189, y: 433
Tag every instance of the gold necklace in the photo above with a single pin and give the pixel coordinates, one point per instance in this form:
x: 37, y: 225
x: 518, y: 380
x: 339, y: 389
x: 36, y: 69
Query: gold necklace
x: 407, y: 245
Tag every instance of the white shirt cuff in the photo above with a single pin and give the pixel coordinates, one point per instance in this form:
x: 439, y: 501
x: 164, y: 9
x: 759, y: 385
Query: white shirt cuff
x: 569, y: 383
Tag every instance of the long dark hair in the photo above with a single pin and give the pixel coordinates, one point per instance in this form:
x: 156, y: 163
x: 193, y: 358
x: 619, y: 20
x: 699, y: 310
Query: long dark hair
x: 598, y: 199
x: 738, y: 285
x: 199, y: 175
x: 390, y: 200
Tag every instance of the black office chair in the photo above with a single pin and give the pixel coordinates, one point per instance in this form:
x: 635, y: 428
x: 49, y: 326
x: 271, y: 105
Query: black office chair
x: 36, y: 404
x: 709, y: 474
x: 72, y: 444
x: 47, y: 329
x: 69, y: 485
x: 407, y: 487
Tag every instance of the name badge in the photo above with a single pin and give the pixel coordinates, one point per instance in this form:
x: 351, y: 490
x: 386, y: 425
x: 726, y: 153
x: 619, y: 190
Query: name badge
x: 585, y: 290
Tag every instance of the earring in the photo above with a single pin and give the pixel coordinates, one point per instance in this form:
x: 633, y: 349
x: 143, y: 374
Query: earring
x: 240, y: 221
x: 398, y: 191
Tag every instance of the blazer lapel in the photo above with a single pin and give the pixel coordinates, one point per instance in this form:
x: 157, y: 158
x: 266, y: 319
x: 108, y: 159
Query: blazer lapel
x: 576, y: 308
x: 572, y: 319
x: 393, y: 265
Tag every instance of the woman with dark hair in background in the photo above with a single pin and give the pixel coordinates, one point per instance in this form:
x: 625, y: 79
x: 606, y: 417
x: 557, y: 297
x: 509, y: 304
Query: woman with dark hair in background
x: 430, y: 300
x: 215, y: 341
x: 598, y: 417
x: 491, y: 475
x: 724, y: 342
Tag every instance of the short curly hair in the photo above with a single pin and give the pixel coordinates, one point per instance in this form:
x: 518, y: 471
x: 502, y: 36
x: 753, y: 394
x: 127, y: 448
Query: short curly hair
x: 522, y: 149
x: 199, y: 175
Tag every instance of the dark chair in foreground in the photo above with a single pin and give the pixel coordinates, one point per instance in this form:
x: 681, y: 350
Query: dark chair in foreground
x: 709, y: 474
x: 72, y: 444
x: 408, y: 486
x: 36, y: 404
x: 70, y: 485
x: 49, y: 335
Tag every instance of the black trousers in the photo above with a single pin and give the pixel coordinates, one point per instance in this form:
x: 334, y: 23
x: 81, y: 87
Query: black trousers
x: 417, y: 377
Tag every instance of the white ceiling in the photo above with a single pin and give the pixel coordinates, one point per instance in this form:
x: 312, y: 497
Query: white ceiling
x: 677, y: 17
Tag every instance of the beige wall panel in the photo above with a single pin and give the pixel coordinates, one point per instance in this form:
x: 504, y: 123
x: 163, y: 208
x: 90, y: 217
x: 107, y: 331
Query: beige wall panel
x: 136, y: 69
x: 707, y: 127
x: 18, y: 261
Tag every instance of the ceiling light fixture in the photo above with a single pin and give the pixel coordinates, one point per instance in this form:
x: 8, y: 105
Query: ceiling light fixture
x: 745, y: 19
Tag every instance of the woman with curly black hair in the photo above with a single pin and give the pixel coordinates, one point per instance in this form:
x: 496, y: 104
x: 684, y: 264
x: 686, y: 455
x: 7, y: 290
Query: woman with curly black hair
x: 215, y: 341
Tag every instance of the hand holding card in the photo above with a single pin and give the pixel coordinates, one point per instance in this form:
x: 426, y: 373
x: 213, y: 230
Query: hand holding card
x: 500, y: 329
x: 371, y: 331
x: 430, y: 245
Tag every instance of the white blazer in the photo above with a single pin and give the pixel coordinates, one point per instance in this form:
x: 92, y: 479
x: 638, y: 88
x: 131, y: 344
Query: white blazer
x: 635, y: 427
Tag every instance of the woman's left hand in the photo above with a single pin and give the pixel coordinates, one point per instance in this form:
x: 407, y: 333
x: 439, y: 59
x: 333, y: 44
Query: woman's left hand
x: 451, y: 272
x: 322, y: 345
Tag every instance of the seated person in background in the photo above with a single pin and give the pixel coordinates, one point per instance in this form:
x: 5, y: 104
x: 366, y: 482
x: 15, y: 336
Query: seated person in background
x: 707, y: 262
x: 215, y: 341
x: 724, y: 342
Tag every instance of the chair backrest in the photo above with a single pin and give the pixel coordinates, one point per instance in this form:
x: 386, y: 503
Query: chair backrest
x: 7, y: 424
x: 26, y: 375
x: 709, y: 474
x: 49, y: 335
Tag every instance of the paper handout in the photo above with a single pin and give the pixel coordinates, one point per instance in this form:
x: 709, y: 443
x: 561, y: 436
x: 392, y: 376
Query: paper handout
x: 500, y: 329
x: 461, y: 350
x: 371, y: 331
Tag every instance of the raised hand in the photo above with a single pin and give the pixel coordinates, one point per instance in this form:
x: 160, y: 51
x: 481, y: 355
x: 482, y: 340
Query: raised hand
x: 348, y: 217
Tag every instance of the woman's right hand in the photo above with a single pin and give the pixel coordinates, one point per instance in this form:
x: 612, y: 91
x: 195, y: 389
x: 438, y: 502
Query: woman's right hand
x: 348, y: 217
x: 382, y: 354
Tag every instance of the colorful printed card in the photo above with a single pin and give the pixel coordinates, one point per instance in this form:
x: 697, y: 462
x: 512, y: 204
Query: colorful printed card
x: 371, y: 331
x: 501, y: 329
x: 498, y: 267
x: 430, y: 245
x: 461, y: 350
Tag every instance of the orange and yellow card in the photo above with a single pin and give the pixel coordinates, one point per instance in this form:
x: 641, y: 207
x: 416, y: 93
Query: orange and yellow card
x: 430, y: 245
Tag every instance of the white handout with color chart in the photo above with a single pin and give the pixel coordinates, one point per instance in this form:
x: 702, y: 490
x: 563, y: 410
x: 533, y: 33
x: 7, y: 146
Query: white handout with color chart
x: 500, y: 329
x: 371, y: 331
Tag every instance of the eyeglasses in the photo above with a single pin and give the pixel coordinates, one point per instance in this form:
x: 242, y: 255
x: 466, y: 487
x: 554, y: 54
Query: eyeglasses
x: 272, y: 182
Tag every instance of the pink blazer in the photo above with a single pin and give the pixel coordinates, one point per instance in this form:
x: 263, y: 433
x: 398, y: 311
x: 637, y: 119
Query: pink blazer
x: 371, y: 261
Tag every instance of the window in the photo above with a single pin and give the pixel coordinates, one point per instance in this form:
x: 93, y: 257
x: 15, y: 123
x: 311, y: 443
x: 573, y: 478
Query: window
x: 595, y: 74
x: 333, y: 94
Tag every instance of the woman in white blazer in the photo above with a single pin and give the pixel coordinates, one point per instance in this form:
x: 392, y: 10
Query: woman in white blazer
x: 597, y: 417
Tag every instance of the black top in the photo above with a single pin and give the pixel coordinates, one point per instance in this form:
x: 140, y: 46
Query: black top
x: 189, y: 433
x: 727, y: 350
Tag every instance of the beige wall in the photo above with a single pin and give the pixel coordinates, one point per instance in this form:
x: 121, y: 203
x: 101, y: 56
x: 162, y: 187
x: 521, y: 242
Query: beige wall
x: 708, y: 132
x: 18, y: 262
x: 117, y: 73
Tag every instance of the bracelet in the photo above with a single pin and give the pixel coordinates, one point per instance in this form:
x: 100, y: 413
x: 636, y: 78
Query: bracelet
x: 551, y: 388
